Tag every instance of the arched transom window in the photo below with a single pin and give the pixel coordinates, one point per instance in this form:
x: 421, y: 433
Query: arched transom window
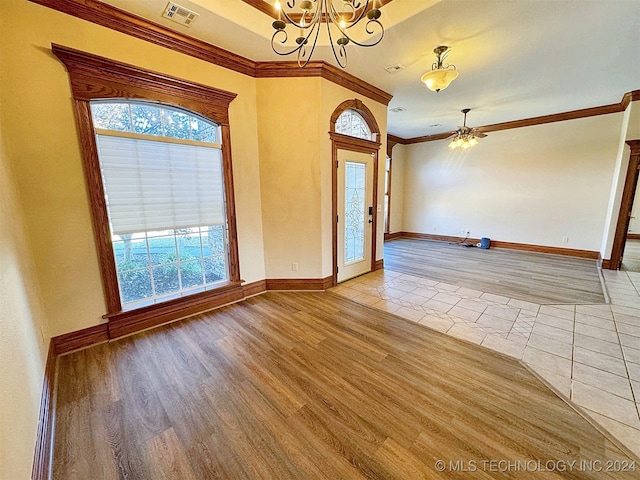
x: 351, y: 123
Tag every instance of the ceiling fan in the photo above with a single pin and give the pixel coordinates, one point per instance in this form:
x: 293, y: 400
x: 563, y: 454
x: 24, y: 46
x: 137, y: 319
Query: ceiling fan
x: 465, y: 137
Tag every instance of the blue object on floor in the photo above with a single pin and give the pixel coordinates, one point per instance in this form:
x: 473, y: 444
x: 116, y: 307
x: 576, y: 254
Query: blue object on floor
x: 485, y: 243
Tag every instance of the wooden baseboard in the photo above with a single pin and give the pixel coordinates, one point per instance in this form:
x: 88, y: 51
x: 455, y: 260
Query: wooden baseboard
x: 633, y: 236
x: 254, y: 288
x: 379, y: 264
x: 570, y: 252
x: 391, y: 236
x: 438, y: 238
x: 44, y: 440
x: 299, y: 283
x: 126, y: 323
x: 80, y: 339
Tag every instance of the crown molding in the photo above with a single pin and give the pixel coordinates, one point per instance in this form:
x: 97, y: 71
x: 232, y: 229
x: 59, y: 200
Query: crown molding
x: 324, y: 70
x: 269, y: 9
x: 105, y: 15
x: 627, y: 98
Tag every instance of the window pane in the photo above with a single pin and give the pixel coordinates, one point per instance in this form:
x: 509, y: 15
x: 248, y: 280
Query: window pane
x: 214, y: 269
x: 162, y: 250
x: 165, y: 279
x: 203, y: 131
x: 111, y: 116
x: 189, y: 244
x: 176, y: 124
x: 135, y: 285
x: 191, y: 274
x: 213, y: 244
x: 146, y: 119
x: 351, y: 123
x: 130, y: 253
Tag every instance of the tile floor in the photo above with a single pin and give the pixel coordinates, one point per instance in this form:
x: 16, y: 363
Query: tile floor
x: 589, y: 353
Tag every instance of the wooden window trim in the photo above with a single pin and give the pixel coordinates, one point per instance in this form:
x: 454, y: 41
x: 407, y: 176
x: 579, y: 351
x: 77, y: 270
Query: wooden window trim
x: 92, y: 78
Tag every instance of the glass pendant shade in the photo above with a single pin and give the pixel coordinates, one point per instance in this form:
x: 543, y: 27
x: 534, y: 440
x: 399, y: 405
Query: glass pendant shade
x: 439, y: 79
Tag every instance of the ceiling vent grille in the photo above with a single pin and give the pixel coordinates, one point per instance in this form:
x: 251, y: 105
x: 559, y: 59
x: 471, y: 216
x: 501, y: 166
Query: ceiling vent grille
x: 179, y: 14
x: 394, y: 68
x: 398, y: 109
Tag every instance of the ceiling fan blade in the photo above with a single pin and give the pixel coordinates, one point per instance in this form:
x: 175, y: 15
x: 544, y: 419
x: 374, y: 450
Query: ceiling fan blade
x: 480, y: 134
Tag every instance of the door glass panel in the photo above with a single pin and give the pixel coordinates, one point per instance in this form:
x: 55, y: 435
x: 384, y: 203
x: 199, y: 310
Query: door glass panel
x: 354, y: 209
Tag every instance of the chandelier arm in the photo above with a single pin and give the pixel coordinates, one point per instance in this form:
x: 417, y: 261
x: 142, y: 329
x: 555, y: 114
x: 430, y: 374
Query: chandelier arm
x: 370, y: 32
x: 313, y: 19
x: 286, y: 36
x: 343, y: 51
x: 334, y: 14
x: 315, y: 27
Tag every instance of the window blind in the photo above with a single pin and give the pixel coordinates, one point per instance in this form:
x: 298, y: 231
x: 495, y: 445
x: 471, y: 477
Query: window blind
x: 157, y: 185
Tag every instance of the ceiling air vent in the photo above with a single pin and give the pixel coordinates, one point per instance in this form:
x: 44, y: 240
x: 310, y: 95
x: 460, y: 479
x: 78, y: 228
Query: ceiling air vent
x: 394, y: 68
x: 398, y: 109
x: 179, y: 14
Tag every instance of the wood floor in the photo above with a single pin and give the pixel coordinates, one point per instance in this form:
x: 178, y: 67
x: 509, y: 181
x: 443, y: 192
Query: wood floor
x: 308, y: 386
x: 534, y: 277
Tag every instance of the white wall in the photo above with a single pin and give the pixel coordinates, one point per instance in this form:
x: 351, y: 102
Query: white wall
x: 22, y: 328
x: 398, y: 155
x: 531, y: 185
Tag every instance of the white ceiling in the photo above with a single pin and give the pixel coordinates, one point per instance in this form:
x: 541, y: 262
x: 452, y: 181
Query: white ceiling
x: 516, y: 58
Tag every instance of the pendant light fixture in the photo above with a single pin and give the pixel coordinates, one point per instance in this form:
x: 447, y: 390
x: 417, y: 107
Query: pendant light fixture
x: 306, y: 17
x: 441, y: 75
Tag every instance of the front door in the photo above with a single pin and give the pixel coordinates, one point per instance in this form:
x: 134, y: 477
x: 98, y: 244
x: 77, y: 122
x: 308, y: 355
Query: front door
x: 355, y: 213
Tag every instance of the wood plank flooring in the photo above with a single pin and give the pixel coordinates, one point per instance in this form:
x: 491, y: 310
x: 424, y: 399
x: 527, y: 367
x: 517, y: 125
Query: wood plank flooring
x: 308, y: 386
x: 533, y: 277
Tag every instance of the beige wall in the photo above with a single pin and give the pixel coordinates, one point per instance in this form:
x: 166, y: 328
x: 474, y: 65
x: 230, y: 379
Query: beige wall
x: 23, y: 331
x: 531, y: 185
x: 295, y: 170
x: 43, y: 148
x: 290, y: 177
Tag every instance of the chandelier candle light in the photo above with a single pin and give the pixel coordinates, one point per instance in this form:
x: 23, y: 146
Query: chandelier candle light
x: 306, y: 17
x: 441, y: 75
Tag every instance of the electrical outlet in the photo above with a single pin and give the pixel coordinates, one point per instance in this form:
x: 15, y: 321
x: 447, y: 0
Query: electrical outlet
x: 565, y: 239
x: 468, y: 232
x: 294, y: 266
x: 462, y: 230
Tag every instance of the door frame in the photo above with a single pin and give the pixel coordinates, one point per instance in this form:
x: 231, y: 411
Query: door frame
x: 354, y: 144
x: 344, y: 142
x: 626, y: 205
x: 374, y: 199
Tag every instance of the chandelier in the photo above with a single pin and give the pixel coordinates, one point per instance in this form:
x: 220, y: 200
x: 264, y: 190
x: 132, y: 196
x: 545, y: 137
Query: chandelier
x: 440, y: 76
x: 306, y: 17
x: 465, y: 137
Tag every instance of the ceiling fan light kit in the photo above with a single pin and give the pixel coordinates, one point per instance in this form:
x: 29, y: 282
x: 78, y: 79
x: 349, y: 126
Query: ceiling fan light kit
x: 465, y: 137
x: 441, y: 75
x: 306, y: 17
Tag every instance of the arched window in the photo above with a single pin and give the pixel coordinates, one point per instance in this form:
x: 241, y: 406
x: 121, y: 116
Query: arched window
x: 351, y: 123
x: 163, y: 182
x: 157, y: 156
